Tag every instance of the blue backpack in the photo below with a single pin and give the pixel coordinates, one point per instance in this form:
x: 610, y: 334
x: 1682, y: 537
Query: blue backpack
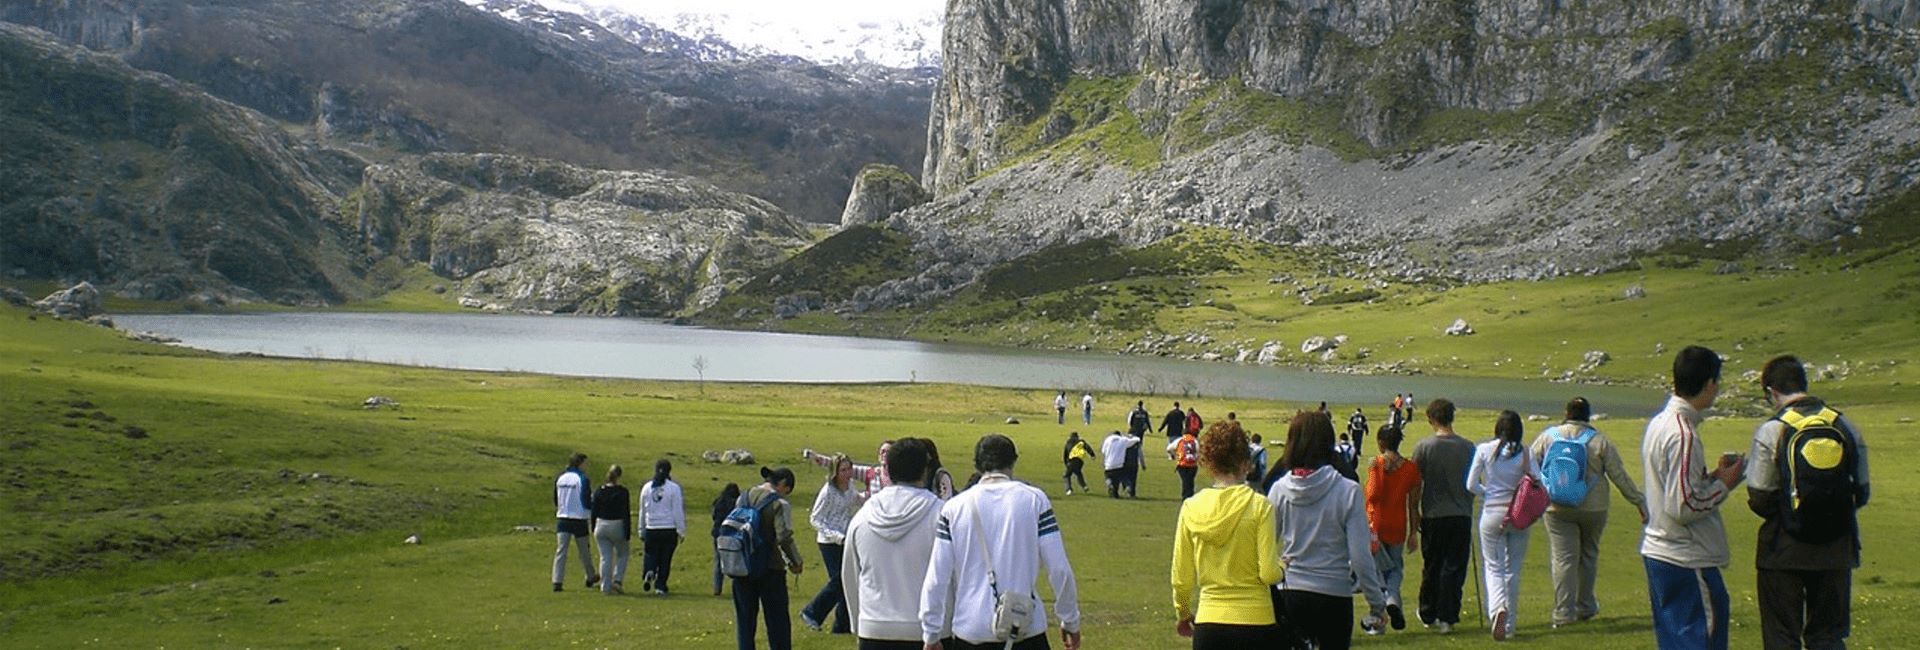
x: 743, y: 547
x: 1565, y: 468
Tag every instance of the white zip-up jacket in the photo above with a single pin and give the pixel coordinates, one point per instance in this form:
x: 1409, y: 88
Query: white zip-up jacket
x: 662, y: 508
x: 885, y: 563
x: 1020, y: 530
x: 1113, y: 450
x: 1683, y: 500
x: 571, y: 498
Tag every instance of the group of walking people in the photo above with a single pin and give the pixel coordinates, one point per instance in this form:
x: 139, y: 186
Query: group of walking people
x: 1279, y: 571
x: 607, y: 516
x: 1273, y: 558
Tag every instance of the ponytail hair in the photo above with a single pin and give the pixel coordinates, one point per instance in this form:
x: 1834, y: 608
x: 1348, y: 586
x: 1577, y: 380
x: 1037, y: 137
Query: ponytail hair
x: 662, y: 470
x: 779, y: 476
x: 613, y: 475
x: 1508, y: 430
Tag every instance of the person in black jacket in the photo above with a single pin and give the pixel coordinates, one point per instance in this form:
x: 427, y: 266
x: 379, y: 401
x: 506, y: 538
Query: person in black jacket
x: 612, y: 531
x: 1175, y: 423
x: 722, y: 506
x: 1138, y: 421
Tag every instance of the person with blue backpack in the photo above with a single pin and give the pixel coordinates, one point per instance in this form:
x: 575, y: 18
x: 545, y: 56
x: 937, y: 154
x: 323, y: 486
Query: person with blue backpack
x: 755, y: 542
x: 1576, y: 461
x: 1807, y: 478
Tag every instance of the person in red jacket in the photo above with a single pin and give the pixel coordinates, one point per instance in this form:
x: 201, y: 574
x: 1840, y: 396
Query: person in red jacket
x: 1393, y: 491
x: 1193, y: 422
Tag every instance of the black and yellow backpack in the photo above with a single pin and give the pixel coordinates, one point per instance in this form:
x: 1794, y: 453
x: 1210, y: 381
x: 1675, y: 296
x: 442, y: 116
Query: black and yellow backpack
x: 1816, y: 460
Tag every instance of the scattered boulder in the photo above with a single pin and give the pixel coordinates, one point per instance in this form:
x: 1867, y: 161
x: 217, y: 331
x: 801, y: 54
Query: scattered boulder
x: 1536, y: 418
x: 526, y: 528
x: 379, y: 402
x: 150, y: 337
x: 1729, y: 268
x: 1459, y: 328
x: 1013, y: 420
x: 1635, y: 292
x: 878, y: 192
x: 13, y: 297
x: 1317, y: 344
x: 80, y: 302
x: 1659, y: 348
x: 1593, y: 360
x: 710, y: 456
x: 1269, y: 353
x: 1210, y: 356
x: 736, y: 457
x: 412, y: 539
x: 1328, y: 355
x: 1906, y: 420
x: 1339, y: 340
x: 100, y: 320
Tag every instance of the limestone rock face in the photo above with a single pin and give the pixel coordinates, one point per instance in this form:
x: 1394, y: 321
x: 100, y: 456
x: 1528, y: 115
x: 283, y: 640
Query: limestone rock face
x: 878, y: 192
x: 537, y: 235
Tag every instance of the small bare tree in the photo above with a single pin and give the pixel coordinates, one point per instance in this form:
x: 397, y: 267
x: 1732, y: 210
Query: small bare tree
x: 700, y: 368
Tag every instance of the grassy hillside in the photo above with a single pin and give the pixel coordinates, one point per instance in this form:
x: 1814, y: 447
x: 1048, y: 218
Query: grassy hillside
x: 1852, y: 309
x: 168, y: 498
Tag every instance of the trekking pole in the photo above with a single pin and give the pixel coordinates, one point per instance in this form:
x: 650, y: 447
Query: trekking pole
x: 1479, y: 593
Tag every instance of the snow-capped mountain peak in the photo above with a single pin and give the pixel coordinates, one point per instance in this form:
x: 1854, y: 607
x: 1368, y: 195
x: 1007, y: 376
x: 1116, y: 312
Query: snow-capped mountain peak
x: 904, y: 34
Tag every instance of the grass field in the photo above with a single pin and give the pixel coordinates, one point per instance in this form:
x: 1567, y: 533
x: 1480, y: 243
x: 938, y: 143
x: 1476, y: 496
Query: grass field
x: 159, y: 497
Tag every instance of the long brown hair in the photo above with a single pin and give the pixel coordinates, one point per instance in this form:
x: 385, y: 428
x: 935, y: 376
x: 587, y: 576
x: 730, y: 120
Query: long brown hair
x: 1309, y: 441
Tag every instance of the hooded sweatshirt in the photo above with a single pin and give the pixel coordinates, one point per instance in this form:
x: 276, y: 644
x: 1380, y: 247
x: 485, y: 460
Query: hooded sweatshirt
x: 1321, y: 520
x: 885, y: 564
x: 1225, y: 545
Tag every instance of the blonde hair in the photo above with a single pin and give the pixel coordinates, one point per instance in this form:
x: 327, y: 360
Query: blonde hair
x: 613, y: 474
x: 833, y: 470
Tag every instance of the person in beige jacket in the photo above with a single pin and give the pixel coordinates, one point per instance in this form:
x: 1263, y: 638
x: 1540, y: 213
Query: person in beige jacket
x: 1573, y: 532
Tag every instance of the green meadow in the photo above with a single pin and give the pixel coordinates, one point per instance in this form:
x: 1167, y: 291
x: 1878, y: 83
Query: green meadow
x: 169, y: 498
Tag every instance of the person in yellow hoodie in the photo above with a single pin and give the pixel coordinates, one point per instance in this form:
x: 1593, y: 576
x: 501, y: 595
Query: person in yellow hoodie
x: 1225, y: 550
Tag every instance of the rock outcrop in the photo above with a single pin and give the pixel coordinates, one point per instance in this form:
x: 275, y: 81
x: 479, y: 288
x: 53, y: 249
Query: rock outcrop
x: 79, y: 302
x: 527, y: 234
x: 878, y: 192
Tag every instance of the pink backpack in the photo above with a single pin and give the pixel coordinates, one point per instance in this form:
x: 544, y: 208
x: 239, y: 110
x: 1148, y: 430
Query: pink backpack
x: 1529, y: 500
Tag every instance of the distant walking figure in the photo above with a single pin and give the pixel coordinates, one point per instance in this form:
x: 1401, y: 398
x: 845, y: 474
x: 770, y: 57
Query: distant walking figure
x: 573, y: 509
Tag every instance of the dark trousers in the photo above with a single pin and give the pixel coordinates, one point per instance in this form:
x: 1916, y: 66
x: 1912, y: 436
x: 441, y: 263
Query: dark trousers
x: 1444, y: 546
x: 1220, y: 636
x: 1076, y: 468
x: 658, y: 563
x: 1115, y: 479
x: 1063, y: 415
x: 769, y: 591
x: 1326, y: 621
x: 1186, y: 480
x: 875, y: 644
x: 1810, y: 607
x: 832, y: 598
x: 1133, y: 480
x: 1035, y: 642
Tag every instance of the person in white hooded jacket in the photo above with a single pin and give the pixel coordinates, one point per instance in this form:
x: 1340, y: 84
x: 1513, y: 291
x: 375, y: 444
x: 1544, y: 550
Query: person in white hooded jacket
x: 1325, y: 545
x: 887, y: 547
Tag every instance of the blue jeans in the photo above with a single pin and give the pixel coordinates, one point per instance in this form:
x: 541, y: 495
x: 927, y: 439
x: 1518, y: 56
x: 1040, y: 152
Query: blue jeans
x: 833, y: 596
x: 1689, y: 606
x: 1393, y: 569
x: 767, y: 590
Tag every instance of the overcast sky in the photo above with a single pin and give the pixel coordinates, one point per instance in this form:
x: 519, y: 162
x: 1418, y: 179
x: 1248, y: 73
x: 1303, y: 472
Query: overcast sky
x: 812, y: 11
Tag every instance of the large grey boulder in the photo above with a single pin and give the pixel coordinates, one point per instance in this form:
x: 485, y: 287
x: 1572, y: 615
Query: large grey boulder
x: 878, y: 192
x: 1459, y: 328
x: 79, y: 302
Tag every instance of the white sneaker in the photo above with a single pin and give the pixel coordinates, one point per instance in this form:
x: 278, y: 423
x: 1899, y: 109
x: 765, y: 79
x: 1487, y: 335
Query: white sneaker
x: 1443, y: 627
x: 1069, y: 491
x: 1500, y: 628
x: 1372, y: 625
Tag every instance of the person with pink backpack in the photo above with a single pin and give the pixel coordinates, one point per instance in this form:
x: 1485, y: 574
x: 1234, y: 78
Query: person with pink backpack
x: 1501, y: 468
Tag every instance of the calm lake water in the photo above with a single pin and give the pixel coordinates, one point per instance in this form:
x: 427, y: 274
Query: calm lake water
x: 643, y: 349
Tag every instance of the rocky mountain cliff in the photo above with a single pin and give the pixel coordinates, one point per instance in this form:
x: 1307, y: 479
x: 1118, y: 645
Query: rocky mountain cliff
x: 522, y: 234
x: 136, y: 180
x: 417, y: 76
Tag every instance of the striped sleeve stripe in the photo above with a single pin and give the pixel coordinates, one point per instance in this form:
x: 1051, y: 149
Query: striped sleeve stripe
x: 1048, y: 524
x: 1687, y: 437
x: 942, y: 530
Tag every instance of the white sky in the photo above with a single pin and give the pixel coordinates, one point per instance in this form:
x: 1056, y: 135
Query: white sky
x: 796, y: 11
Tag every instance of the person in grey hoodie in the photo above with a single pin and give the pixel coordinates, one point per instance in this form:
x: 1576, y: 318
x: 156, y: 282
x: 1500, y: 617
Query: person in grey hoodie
x: 1325, y: 545
x: 887, y: 547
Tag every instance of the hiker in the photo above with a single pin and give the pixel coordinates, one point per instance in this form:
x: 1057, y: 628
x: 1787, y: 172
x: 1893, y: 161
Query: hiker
x: 1138, y: 421
x: 1808, y: 476
x: 1225, y: 553
x: 663, y: 523
x: 1407, y: 409
x: 1075, y: 457
x: 1498, y: 467
x: 573, y: 508
x: 764, y: 588
x: 832, y: 511
x: 1193, y: 421
x: 989, y: 547
x: 873, y: 477
x: 1086, y: 409
x: 1343, y: 451
x: 1114, y: 448
x: 1393, y: 505
x: 1136, y: 460
x: 1060, y: 407
x: 887, y: 546
x: 613, y: 531
x: 1357, y: 428
x: 1685, y: 542
x: 1175, y: 423
x: 723, y: 504
x: 1577, y: 460
x: 1321, y: 520
x: 1445, y: 516
x: 1185, y: 454
x: 1258, y: 452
